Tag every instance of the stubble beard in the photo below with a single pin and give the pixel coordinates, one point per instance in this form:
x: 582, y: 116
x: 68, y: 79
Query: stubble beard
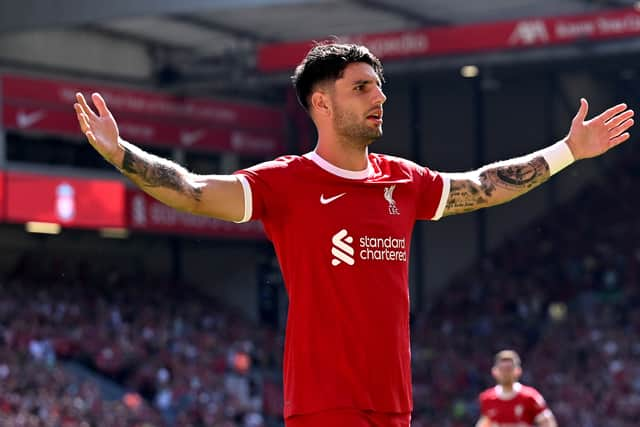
x: 355, y: 130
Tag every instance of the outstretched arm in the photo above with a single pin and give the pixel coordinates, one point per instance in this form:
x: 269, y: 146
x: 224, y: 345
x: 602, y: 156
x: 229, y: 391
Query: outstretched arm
x: 218, y: 196
x: 501, y: 182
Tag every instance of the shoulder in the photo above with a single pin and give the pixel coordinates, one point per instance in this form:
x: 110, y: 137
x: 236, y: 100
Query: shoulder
x: 386, y: 159
x: 279, y: 166
x: 283, y: 162
x: 488, y: 394
x: 393, y: 165
x: 532, y: 394
x: 529, y: 391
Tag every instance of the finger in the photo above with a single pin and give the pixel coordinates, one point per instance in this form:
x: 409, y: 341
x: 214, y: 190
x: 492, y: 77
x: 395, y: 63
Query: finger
x: 582, y: 111
x: 621, y: 128
x: 84, y: 124
x: 618, y: 139
x: 91, y: 137
x: 83, y: 119
x: 78, y: 108
x: 85, y: 107
x: 616, y: 120
x: 608, y: 114
x: 101, y: 105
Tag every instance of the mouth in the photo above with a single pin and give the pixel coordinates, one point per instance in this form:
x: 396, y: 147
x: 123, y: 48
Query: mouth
x: 375, y: 117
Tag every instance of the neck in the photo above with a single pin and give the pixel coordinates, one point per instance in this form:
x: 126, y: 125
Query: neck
x: 508, y: 388
x: 343, y: 154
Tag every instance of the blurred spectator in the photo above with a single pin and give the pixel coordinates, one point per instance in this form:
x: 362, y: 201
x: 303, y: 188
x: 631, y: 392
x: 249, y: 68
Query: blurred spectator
x: 562, y: 292
x: 191, y: 360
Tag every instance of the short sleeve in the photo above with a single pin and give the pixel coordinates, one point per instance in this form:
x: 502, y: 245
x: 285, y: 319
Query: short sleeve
x: 538, y: 405
x: 261, y: 186
x: 483, y: 404
x: 433, y: 191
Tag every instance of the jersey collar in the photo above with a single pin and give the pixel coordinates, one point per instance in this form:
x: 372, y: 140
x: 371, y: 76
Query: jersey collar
x: 510, y: 395
x: 334, y: 170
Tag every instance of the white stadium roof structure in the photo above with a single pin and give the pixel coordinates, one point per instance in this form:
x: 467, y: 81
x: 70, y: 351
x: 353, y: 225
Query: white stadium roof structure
x: 205, y: 46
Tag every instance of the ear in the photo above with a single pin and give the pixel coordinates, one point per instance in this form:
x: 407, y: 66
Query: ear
x: 494, y: 373
x: 517, y: 372
x: 320, y: 103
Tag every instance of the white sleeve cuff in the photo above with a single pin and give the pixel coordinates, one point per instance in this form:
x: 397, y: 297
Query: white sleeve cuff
x: 248, y: 201
x: 558, y: 156
x: 543, y: 415
x: 446, y: 186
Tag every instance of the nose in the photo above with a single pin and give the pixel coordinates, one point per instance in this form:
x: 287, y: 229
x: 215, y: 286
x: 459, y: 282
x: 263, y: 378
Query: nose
x: 379, y: 96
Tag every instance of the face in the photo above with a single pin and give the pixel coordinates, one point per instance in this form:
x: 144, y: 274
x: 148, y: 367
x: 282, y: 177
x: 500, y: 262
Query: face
x: 356, y: 100
x: 506, y: 372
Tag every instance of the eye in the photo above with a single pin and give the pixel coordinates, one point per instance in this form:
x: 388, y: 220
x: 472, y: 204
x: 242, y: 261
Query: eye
x: 359, y: 88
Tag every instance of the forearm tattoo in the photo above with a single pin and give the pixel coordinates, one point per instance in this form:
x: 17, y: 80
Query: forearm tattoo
x: 153, y: 171
x: 466, y: 195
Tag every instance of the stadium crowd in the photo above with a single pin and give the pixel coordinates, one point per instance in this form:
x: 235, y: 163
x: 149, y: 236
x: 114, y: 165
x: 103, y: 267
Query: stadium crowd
x: 180, y: 358
x: 561, y: 291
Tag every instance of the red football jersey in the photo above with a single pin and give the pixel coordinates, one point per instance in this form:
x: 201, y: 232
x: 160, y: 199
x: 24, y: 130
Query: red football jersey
x: 520, y: 408
x: 342, y: 239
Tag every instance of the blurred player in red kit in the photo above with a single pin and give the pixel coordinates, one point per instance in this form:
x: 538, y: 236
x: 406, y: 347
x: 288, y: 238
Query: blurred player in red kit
x: 340, y: 219
x: 509, y: 403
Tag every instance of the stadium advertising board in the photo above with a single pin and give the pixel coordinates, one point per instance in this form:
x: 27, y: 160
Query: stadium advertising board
x: 524, y: 33
x: 70, y: 202
x: 122, y: 101
x: 32, y: 104
x: 3, y: 203
x: 99, y: 203
x: 63, y: 122
x: 147, y: 214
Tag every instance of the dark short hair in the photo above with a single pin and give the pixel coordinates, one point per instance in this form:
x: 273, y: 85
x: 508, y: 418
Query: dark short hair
x: 326, y: 62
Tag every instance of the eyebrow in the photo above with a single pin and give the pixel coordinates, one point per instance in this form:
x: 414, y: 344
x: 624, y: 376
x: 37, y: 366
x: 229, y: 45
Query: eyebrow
x: 366, y: 81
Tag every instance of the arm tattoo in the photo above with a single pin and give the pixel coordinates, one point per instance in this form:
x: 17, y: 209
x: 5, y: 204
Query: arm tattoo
x: 464, y: 196
x: 524, y: 176
x: 497, y: 184
x: 152, y: 171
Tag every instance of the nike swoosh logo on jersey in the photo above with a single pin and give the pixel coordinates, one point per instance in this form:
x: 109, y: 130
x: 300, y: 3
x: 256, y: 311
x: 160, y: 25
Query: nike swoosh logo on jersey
x: 330, y: 199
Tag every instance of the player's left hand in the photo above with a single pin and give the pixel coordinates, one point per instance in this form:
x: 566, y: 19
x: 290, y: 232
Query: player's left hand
x: 590, y: 138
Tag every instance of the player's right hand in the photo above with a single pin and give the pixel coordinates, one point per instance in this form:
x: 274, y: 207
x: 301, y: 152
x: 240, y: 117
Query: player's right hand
x: 100, y: 129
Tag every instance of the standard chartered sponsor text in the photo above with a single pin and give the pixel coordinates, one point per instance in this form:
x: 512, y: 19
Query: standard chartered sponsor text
x: 382, y: 249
